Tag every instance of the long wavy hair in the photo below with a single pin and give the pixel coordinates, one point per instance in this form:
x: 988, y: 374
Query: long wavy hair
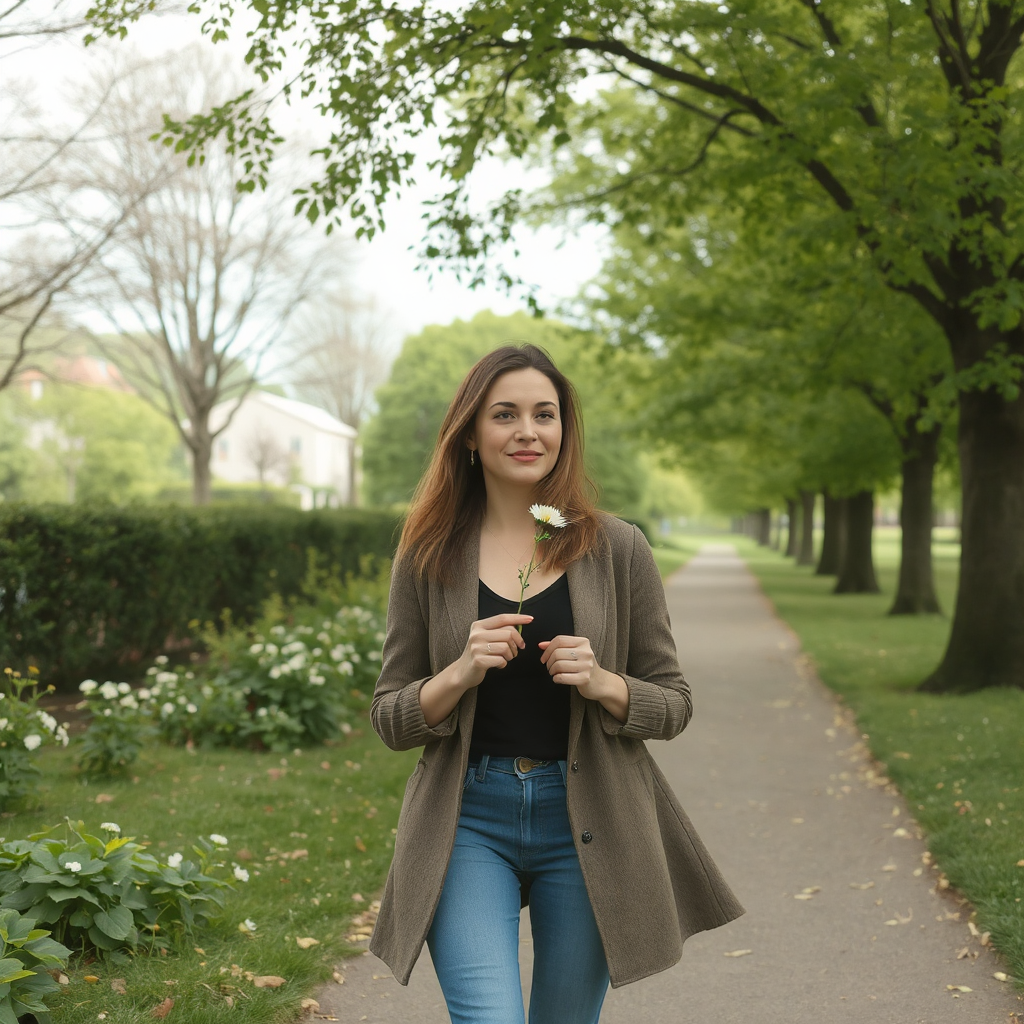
x: 449, y: 501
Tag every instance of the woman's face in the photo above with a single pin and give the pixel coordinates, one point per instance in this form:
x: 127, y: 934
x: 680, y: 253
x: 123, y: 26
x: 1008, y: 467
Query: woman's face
x: 517, y: 433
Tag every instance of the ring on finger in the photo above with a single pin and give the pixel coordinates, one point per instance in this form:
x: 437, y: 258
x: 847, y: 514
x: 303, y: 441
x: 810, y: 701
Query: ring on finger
x: 489, y: 649
x: 572, y: 654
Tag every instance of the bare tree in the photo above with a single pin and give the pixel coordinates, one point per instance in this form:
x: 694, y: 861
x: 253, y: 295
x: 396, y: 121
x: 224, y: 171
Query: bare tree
x: 201, y: 280
x: 342, y: 357
x: 266, y: 454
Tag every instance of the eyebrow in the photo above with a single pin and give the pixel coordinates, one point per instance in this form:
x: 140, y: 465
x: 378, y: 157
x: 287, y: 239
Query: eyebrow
x: 512, y: 405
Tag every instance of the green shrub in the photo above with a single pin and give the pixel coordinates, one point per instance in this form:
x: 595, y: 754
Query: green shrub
x: 27, y: 955
x: 117, y: 731
x: 97, y: 591
x: 23, y: 729
x: 111, y: 895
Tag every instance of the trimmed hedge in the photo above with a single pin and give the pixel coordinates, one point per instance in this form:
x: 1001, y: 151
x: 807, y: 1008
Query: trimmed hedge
x: 90, y: 591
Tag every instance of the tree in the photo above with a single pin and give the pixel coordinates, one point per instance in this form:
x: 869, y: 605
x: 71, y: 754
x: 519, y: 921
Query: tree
x: 202, y: 279
x: 399, y: 439
x: 902, y: 117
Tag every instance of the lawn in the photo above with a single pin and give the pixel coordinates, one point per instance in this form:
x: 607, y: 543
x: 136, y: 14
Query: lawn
x: 315, y: 831
x: 959, y: 760
x: 672, y: 552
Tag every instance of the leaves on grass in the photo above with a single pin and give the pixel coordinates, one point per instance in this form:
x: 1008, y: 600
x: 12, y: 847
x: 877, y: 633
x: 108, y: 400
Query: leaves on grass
x: 163, y: 1009
x: 309, y: 1005
x: 307, y: 942
x: 90, y: 979
x: 359, y: 844
x: 119, y: 985
x: 104, y: 798
x: 268, y: 981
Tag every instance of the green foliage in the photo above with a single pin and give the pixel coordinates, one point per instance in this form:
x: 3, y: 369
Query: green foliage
x: 102, y: 896
x: 24, y: 728
x: 398, y: 441
x: 116, y: 733
x: 92, y: 444
x: 27, y: 955
x: 95, y: 591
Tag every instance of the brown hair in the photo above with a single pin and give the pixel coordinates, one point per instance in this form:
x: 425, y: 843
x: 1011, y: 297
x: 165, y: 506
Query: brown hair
x: 449, y: 501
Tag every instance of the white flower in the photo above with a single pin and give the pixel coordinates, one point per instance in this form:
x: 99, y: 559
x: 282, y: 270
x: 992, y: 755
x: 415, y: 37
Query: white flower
x: 277, y: 630
x: 174, y: 861
x: 206, y: 691
x: 152, y: 670
x: 32, y: 741
x: 261, y: 713
x: 123, y: 688
x: 107, y: 712
x: 256, y: 649
x: 108, y: 691
x: 167, y: 709
x: 374, y: 655
x: 241, y: 874
x: 548, y: 515
x: 190, y: 675
x: 129, y: 702
x: 218, y: 840
x: 61, y: 735
x: 297, y: 661
x: 346, y: 728
x: 316, y: 680
x: 160, y: 659
x: 275, y: 672
x: 271, y: 649
x: 3, y: 724
x: 191, y: 708
x: 248, y: 925
x: 49, y: 722
x: 166, y: 677
x: 73, y: 866
x: 291, y: 648
x: 345, y: 668
x: 144, y: 694
x: 317, y: 651
x: 110, y: 826
x: 88, y: 686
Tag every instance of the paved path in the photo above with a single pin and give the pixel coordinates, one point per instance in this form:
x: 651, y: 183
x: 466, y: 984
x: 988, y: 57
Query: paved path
x: 779, y: 788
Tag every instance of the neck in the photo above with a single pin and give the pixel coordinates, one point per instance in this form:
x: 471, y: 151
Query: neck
x: 507, y: 509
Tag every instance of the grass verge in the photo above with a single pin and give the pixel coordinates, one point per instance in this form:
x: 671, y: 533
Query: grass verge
x: 314, y: 830
x: 672, y: 552
x: 959, y: 760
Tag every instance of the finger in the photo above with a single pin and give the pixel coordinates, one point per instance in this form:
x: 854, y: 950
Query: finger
x: 505, y: 619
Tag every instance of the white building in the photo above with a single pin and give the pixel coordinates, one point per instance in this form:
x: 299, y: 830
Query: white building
x: 280, y: 441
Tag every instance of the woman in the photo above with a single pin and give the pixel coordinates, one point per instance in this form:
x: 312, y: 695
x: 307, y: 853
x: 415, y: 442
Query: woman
x: 534, y: 785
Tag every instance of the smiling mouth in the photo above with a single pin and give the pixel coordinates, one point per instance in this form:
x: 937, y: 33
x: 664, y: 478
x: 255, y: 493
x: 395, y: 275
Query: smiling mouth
x: 525, y: 456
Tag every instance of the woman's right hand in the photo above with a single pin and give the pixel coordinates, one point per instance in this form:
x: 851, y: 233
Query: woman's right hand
x: 492, y: 643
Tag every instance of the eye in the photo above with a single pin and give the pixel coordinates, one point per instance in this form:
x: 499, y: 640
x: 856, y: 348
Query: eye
x: 500, y: 414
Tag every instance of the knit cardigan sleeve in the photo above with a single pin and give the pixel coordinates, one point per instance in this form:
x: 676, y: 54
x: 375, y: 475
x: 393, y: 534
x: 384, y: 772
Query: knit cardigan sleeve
x: 405, y: 666
x: 660, y: 706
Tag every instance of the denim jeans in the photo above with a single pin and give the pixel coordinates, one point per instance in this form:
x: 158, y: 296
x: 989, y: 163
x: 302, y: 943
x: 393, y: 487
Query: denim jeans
x: 514, y: 827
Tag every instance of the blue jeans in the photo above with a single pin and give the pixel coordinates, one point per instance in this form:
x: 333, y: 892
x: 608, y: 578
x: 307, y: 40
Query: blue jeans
x: 514, y: 827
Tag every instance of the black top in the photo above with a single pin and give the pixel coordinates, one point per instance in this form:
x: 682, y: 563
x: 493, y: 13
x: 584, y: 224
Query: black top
x: 520, y: 710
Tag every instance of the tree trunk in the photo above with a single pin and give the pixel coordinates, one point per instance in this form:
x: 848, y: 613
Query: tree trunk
x: 202, y: 453
x: 833, y: 538
x: 915, y: 592
x: 763, y: 521
x: 986, y: 641
x: 806, y: 555
x: 776, y: 528
x: 857, y: 571
x: 791, y: 539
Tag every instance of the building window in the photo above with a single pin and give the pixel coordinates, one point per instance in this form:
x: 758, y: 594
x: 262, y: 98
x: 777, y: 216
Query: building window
x: 222, y: 449
x: 296, y: 446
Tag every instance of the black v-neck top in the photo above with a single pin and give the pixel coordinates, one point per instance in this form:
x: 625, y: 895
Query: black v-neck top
x: 520, y: 710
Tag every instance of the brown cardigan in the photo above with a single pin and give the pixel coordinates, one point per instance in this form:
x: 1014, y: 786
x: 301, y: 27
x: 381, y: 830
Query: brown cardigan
x: 651, y: 882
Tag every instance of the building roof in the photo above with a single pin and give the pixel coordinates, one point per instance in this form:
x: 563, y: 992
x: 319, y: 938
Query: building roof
x: 311, y: 414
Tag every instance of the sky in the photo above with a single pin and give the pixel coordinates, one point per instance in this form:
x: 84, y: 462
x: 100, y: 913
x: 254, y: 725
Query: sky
x: 385, y: 268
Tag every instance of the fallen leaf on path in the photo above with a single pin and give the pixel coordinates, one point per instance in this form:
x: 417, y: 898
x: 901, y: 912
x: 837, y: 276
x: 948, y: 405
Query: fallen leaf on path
x: 900, y: 919
x: 306, y: 943
x: 268, y: 981
x: 739, y: 952
x: 339, y: 978
x: 958, y: 988
x: 1001, y: 976
x: 808, y: 893
x: 900, y: 833
x: 889, y: 867
x: 163, y: 1009
x: 862, y: 885
x: 359, y: 844
x: 119, y: 986
x: 963, y: 953
x: 309, y: 1005
x: 797, y: 821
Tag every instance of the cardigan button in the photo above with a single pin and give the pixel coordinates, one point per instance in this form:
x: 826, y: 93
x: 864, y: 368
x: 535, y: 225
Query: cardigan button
x: 587, y: 836
x: 575, y: 766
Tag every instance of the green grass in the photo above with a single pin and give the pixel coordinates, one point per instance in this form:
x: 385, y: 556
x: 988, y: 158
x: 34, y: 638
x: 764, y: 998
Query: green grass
x: 959, y: 760
x: 339, y: 803
x: 675, y: 550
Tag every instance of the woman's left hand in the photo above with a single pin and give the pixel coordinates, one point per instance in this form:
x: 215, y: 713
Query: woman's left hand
x: 570, y: 661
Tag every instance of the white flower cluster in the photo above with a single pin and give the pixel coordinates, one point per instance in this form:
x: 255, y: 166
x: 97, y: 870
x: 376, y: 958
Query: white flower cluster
x: 34, y: 740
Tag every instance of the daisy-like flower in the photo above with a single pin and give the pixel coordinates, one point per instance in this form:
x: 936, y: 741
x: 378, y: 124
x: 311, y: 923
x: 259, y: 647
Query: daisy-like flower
x: 544, y: 516
x: 174, y: 861
x: 241, y: 874
x: 73, y: 866
x: 218, y: 840
x: 110, y: 826
x: 248, y: 925
x: 548, y: 515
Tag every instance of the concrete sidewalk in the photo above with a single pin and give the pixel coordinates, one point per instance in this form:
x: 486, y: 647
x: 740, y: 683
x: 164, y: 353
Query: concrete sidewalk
x: 844, y: 923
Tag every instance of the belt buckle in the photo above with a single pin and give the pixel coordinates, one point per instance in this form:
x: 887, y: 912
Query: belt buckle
x: 526, y: 764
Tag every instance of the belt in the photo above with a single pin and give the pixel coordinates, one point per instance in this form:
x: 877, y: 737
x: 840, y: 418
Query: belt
x: 527, y: 764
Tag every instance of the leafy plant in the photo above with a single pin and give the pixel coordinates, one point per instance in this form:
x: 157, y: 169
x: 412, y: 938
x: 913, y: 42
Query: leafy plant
x: 24, y: 727
x: 105, y: 895
x: 27, y: 954
x: 119, y: 728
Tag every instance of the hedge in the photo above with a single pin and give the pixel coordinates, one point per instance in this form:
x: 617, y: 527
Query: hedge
x: 93, y: 591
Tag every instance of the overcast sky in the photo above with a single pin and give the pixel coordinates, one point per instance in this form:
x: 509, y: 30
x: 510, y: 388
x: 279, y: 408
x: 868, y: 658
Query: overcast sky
x: 386, y: 267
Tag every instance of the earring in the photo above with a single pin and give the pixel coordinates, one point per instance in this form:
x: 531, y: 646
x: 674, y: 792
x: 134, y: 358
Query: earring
x: 472, y: 456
